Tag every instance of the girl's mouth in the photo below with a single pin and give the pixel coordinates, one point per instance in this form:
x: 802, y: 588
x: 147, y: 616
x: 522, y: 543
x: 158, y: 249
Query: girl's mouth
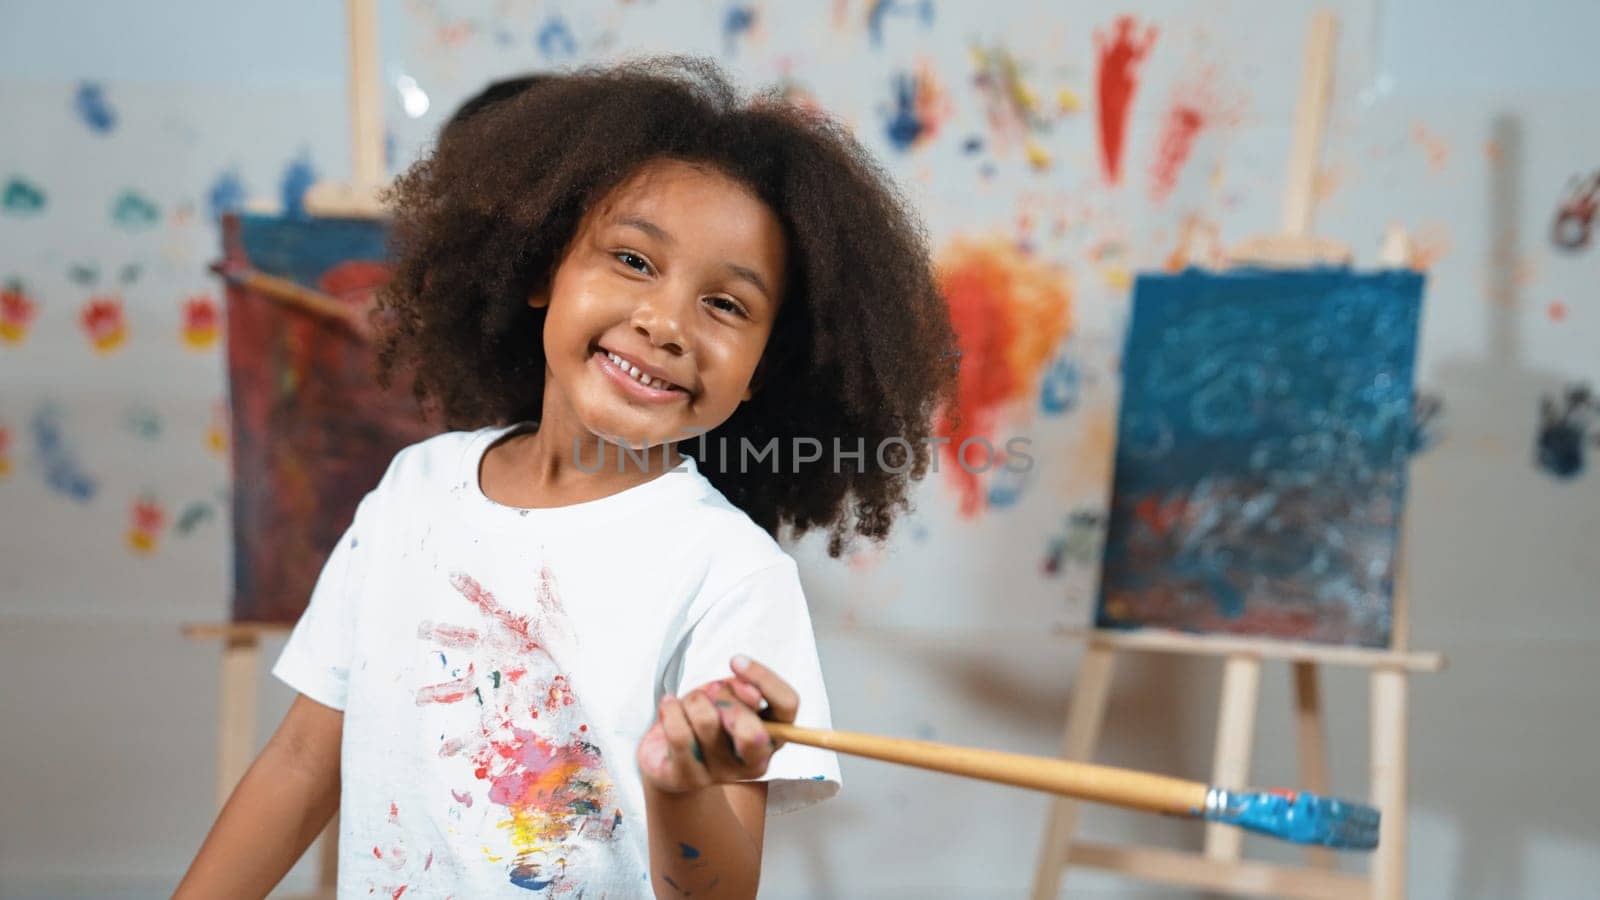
x: 633, y: 382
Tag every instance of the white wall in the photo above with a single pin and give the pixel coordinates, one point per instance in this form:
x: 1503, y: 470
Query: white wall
x: 108, y: 716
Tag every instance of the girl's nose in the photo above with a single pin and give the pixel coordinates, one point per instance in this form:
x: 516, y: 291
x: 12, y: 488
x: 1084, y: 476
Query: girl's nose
x: 660, y: 318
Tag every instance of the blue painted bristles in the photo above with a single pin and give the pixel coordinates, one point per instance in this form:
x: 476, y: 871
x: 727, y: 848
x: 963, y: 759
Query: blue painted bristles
x: 1296, y: 816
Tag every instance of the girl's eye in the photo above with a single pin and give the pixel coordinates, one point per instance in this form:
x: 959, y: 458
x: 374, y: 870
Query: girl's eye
x: 633, y: 261
x: 725, y: 304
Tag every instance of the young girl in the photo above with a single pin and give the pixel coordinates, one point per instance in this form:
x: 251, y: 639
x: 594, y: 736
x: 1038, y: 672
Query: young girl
x: 534, y: 662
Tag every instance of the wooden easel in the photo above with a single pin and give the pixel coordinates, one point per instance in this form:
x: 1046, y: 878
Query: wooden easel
x: 1219, y: 866
x: 238, y: 690
x: 241, y: 641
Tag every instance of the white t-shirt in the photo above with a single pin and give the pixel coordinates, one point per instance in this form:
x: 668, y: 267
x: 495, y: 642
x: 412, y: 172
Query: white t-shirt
x: 497, y: 668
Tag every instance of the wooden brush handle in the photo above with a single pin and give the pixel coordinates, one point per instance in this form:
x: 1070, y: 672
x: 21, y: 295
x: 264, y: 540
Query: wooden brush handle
x: 1086, y: 781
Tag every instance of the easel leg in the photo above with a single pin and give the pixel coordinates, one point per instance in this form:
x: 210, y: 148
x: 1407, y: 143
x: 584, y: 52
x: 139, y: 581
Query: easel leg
x: 1389, y: 714
x: 1236, y: 727
x: 236, y: 737
x: 1089, y: 694
x: 1313, y: 751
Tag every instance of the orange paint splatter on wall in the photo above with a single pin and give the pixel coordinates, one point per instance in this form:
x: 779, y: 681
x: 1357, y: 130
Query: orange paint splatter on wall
x: 145, y: 521
x: 200, y: 322
x: 1010, y: 311
x: 17, y: 312
x: 104, y: 323
x: 1434, y: 148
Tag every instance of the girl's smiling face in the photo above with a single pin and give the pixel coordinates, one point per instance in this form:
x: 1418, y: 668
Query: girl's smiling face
x: 662, y: 306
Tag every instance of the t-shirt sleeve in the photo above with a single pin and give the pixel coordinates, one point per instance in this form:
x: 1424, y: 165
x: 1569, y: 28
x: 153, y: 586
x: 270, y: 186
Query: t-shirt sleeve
x: 764, y: 617
x: 316, y: 659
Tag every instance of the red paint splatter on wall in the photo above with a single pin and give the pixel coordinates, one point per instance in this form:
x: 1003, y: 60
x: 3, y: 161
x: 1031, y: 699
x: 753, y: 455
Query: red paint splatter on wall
x: 17, y: 312
x: 103, y: 323
x: 1116, y: 80
x: 146, y: 520
x: 1178, y: 131
x: 201, y: 321
x: 1010, y: 311
x: 1197, y: 105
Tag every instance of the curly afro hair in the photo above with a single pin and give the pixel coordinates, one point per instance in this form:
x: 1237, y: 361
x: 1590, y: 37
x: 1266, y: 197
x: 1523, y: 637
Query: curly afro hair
x: 862, y: 351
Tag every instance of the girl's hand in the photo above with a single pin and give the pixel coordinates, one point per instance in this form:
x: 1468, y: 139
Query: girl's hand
x: 713, y: 734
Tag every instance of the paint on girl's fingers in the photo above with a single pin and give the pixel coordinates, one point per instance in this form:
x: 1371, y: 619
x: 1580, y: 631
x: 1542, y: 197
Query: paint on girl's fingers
x: 688, y: 851
x: 699, y: 755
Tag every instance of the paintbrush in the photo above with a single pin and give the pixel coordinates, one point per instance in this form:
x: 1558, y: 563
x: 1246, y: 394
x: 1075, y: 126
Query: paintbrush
x: 1289, y: 815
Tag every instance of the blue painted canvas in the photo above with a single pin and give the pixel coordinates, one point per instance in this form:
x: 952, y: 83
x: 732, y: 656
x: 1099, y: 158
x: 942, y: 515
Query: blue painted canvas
x: 1261, y: 455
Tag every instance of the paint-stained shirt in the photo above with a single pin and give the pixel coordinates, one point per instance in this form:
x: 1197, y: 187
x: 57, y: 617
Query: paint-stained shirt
x: 497, y: 668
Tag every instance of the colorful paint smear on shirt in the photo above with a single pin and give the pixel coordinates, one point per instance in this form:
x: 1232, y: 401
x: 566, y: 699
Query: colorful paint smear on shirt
x: 104, y: 323
x: 529, y: 745
x: 201, y: 320
x: 17, y: 312
x: 5, y: 452
x: 21, y: 197
x: 146, y: 519
x: 93, y: 109
x: 1010, y: 312
x: 1116, y: 82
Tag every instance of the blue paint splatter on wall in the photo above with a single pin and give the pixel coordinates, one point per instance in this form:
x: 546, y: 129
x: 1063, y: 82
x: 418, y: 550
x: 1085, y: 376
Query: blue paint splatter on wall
x: 133, y: 211
x: 1006, y: 485
x: 194, y: 515
x: 298, y: 177
x: 85, y: 274
x: 226, y: 195
x: 22, y: 197
x: 1564, y: 425
x: 1261, y: 456
x: 1060, y: 388
x: 904, y: 127
x: 143, y: 421
x: 93, y: 109
x: 555, y: 39
x: 62, y: 471
x: 736, y: 23
x: 883, y: 9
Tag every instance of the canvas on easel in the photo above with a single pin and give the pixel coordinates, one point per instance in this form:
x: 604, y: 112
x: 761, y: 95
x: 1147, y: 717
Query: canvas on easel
x: 1260, y: 475
x: 1261, y: 454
